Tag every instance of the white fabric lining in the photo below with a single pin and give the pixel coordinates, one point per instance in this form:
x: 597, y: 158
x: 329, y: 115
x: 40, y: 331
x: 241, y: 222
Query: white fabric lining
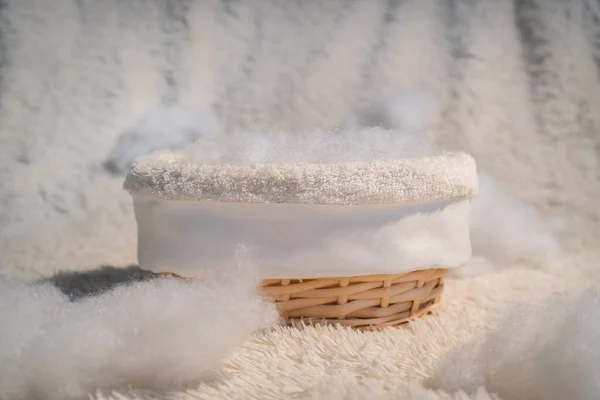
x: 301, y: 241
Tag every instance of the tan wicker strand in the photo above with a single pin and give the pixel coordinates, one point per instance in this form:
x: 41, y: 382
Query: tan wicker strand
x: 364, y: 302
x: 385, y: 298
x: 343, y: 298
x: 285, y: 282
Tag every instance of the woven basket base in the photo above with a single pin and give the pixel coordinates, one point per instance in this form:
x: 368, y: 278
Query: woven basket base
x: 367, y: 302
x: 364, y: 302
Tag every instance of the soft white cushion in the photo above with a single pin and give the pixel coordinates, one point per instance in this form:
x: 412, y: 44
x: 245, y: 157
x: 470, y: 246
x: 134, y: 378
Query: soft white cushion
x: 303, y: 220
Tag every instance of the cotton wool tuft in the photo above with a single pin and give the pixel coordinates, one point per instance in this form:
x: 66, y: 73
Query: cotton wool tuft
x: 542, y: 351
x: 156, y: 335
x: 311, y: 147
x: 165, y: 128
x: 503, y: 229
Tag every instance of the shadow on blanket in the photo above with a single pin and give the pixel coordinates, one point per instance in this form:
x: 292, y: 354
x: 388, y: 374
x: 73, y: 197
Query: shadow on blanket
x: 80, y: 284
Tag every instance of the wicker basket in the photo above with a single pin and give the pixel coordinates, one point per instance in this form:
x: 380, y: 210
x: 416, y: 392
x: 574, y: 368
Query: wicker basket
x: 363, y: 302
x: 369, y: 301
x: 174, y: 197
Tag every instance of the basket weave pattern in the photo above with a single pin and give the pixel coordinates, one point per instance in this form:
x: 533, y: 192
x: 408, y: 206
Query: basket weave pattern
x: 366, y: 302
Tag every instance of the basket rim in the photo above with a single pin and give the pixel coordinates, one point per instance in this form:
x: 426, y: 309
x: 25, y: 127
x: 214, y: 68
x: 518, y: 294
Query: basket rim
x: 170, y: 176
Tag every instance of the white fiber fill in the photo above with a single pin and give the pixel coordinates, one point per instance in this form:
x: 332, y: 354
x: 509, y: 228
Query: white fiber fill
x: 168, y: 128
x: 409, y: 111
x: 154, y: 335
x: 398, y: 126
x: 310, y: 147
x: 547, y: 351
x: 503, y: 229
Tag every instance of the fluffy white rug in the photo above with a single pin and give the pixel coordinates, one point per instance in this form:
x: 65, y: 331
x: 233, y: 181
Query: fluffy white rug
x: 519, y: 89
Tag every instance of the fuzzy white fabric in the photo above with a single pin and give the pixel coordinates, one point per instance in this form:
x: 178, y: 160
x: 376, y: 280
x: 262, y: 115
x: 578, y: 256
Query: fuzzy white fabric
x: 171, y: 176
x: 518, y: 89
